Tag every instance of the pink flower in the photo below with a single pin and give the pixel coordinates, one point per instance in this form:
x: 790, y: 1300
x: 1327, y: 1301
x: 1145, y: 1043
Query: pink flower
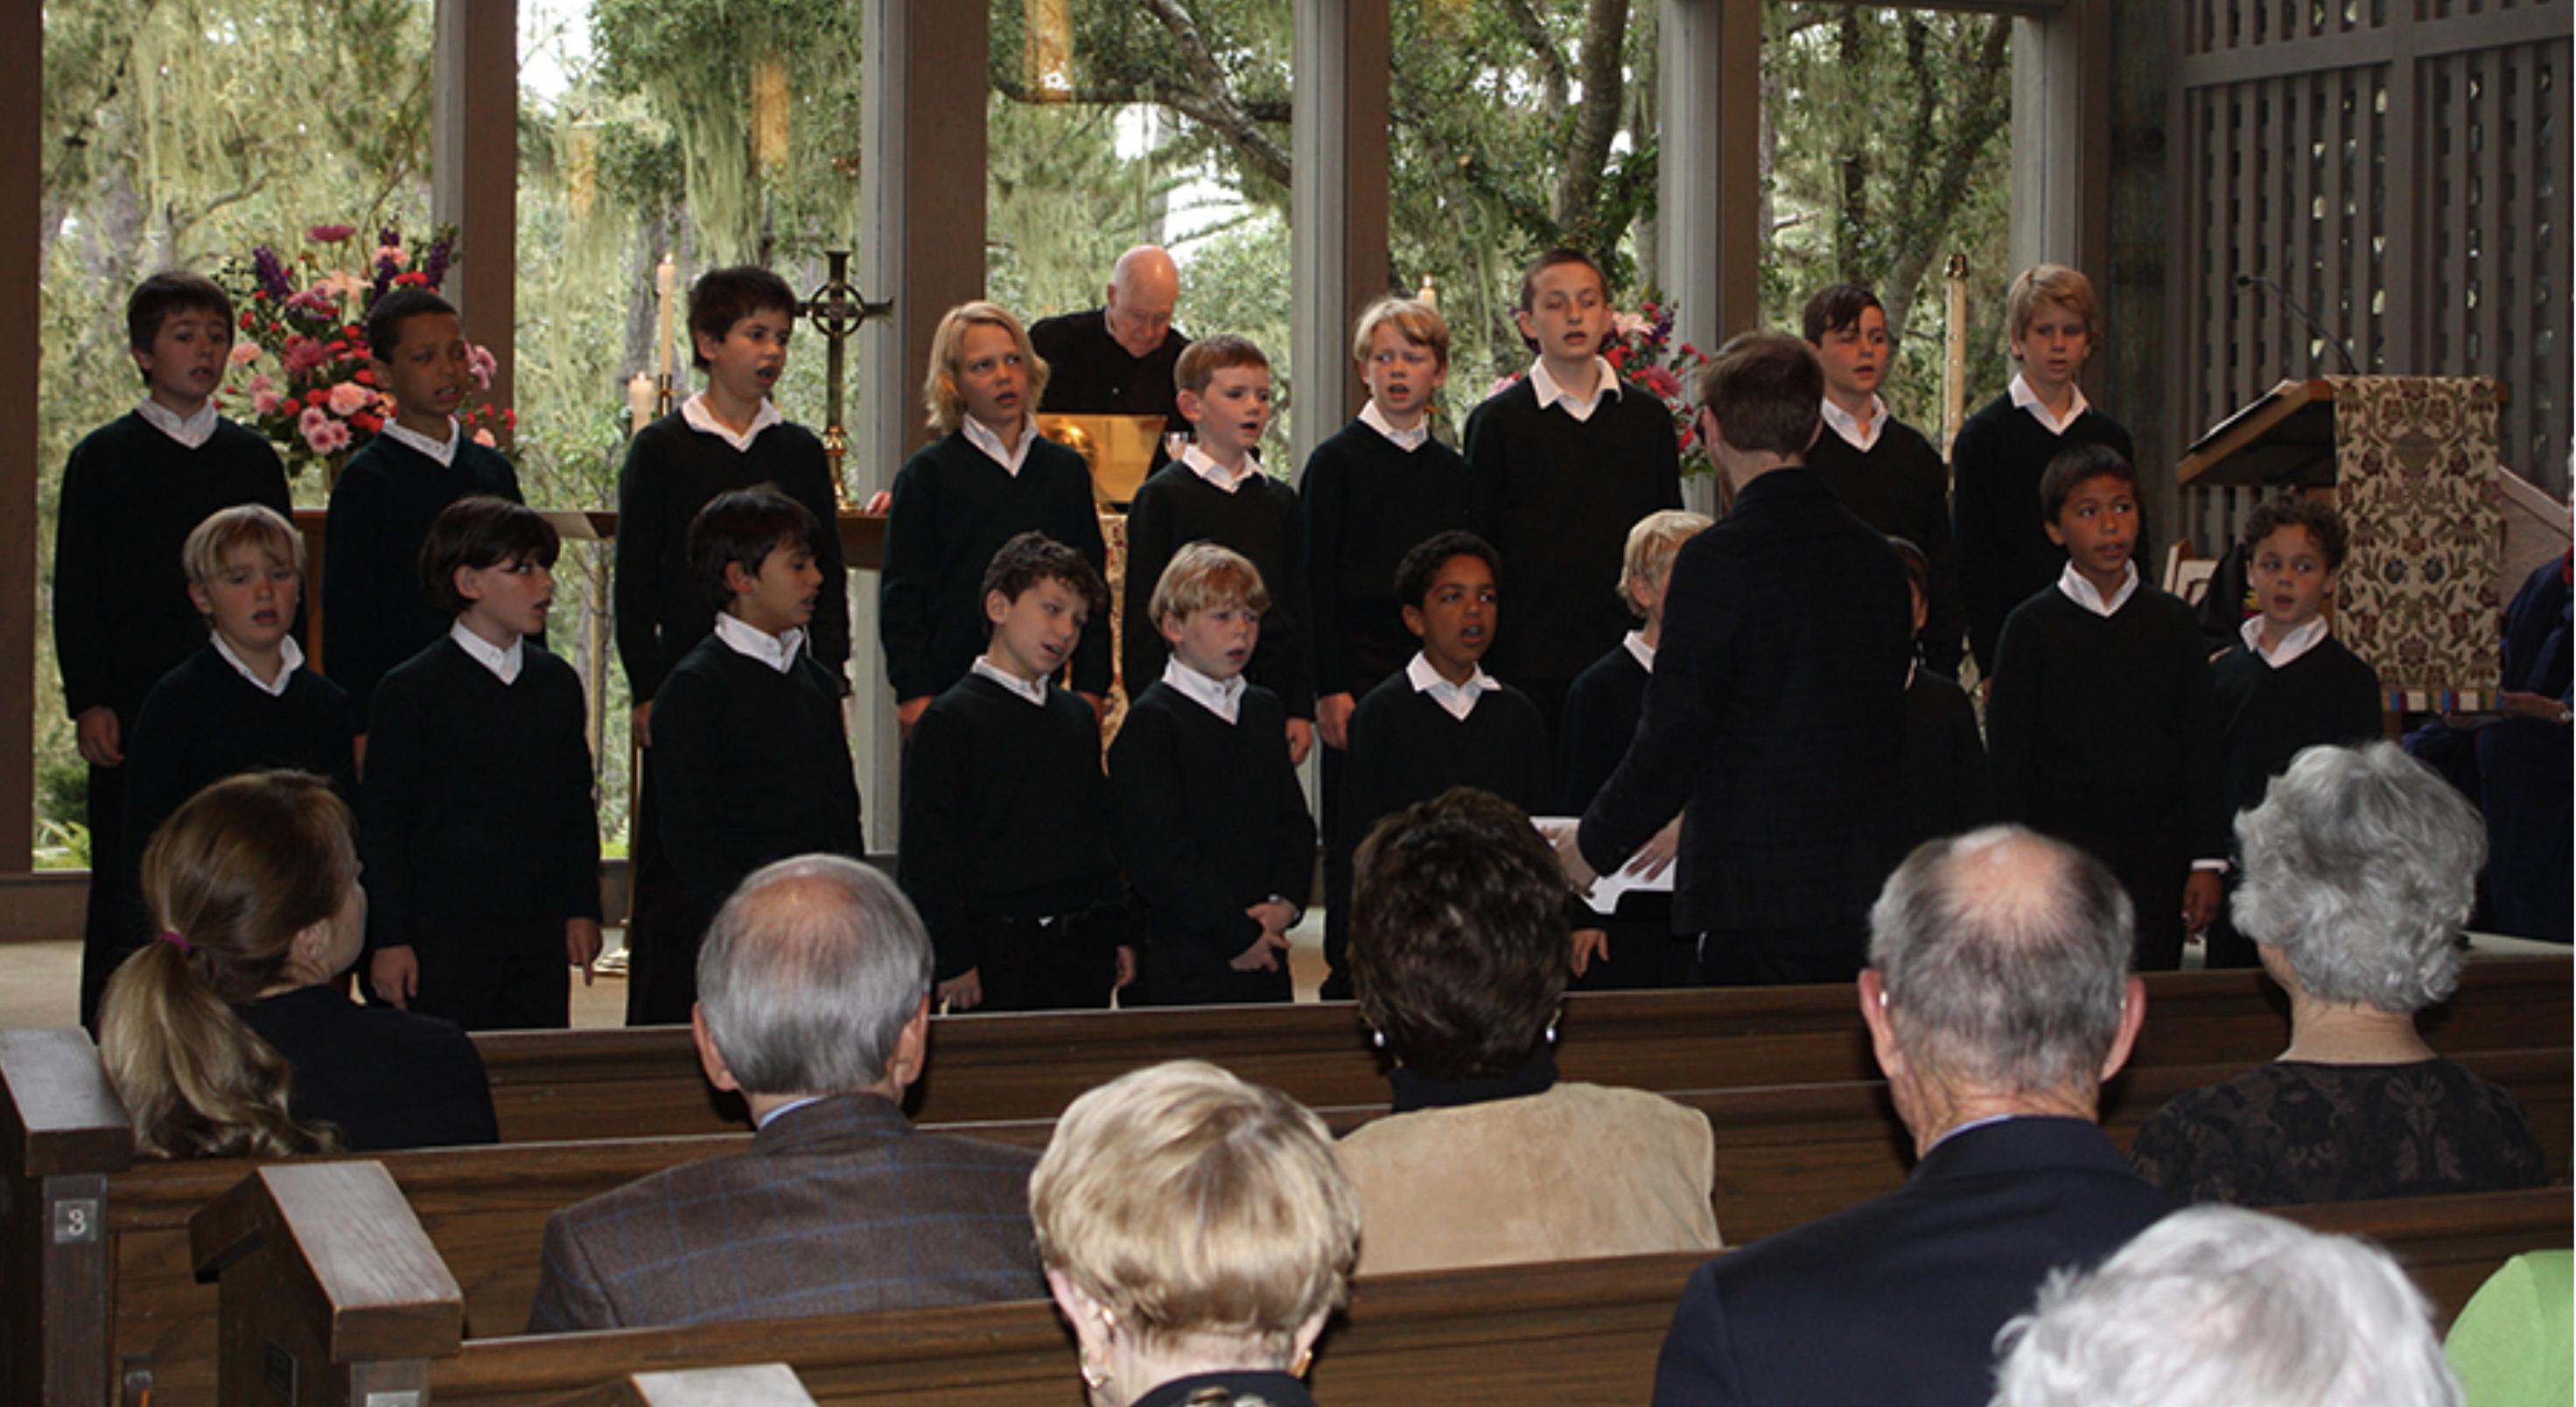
x: 330, y: 234
x: 317, y: 299
x: 244, y: 353
x: 303, y: 354
x: 484, y: 438
x: 1501, y: 384
x: 387, y: 253
x: 348, y: 398
x: 261, y: 382
x: 324, y: 434
x: 263, y: 401
x: 1656, y: 379
x: 480, y: 363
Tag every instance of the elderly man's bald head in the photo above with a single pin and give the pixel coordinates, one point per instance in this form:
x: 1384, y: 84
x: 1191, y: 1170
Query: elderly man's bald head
x: 2004, y: 957
x: 809, y: 975
x: 1143, y: 290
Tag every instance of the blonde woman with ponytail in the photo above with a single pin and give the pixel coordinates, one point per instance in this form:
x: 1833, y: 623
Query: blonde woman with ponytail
x: 229, y: 1036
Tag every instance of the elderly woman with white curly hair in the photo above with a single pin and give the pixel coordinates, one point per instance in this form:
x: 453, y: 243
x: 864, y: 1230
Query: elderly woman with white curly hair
x: 2360, y: 867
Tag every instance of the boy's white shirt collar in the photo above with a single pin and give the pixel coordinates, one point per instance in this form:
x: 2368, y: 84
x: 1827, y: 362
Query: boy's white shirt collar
x: 751, y: 642
x: 1406, y: 440
x: 1639, y: 650
x: 191, y: 431
x: 290, y: 658
x: 1033, y: 690
x: 1847, y: 425
x: 2298, y: 642
x: 1010, y: 456
x: 1458, y: 700
x: 504, y: 664
x: 1227, y: 479
x: 694, y: 410
x: 2028, y: 400
x: 2082, y: 592
x: 444, y: 451
x: 1222, y: 697
x: 1605, y: 385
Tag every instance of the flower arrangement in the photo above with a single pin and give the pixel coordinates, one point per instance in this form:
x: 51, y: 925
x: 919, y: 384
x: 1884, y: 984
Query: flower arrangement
x: 1640, y: 347
x: 304, y: 339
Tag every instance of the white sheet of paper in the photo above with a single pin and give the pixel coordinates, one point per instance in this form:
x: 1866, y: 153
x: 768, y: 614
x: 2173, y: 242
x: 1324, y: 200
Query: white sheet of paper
x: 1604, y: 898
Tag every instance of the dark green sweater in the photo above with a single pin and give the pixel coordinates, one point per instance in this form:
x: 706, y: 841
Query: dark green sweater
x: 374, y: 613
x: 478, y: 795
x: 2004, y: 551
x: 754, y: 768
x: 1900, y: 487
x: 1367, y: 502
x: 2266, y: 715
x: 1259, y: 519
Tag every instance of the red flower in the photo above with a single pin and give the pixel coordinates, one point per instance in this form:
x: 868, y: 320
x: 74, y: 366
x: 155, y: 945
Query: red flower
x: 365, y: 376
x: 413, y: 279
x: 245, y: 320
x: 317, y: 396
x: 369, y: 423
x: 1617, y: 357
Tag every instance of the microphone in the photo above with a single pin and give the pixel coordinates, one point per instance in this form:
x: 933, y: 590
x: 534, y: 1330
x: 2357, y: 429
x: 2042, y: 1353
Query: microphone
x: 2283, y: 294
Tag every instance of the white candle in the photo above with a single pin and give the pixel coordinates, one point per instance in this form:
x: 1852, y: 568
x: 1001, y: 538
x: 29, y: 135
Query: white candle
x: 639, y: 400
x: 664, y: 278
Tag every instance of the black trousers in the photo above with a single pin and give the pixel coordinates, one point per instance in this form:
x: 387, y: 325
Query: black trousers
x: 1063, y: 962
x: 495, y: 974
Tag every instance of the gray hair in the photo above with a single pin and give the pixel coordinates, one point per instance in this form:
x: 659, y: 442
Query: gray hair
x: 2361, y: 866
x: 809, y: 973
x: 2222, y: 1307
x: 2005, y: 956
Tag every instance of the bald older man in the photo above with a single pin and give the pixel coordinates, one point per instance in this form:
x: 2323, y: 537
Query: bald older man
x: 1998, y: 999
x: 1117, y: 359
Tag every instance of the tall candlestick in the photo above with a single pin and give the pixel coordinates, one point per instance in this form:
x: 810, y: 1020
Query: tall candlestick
x: 639, y: 401
x: 664, y: 279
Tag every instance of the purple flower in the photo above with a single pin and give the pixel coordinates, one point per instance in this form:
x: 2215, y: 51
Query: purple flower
x: 271, y: 273
x: 433, y: 265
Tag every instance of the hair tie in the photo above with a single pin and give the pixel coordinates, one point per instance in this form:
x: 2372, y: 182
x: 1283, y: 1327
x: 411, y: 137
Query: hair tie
x: 177, y: 940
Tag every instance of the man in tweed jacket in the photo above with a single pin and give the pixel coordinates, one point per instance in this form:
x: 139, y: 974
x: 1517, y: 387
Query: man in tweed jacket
x: 813, y: 1001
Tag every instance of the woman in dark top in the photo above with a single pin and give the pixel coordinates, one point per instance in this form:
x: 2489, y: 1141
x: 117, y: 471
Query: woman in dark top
x: 227, y: 1036
x: 1197, y: 1233
x: 2360, y: 867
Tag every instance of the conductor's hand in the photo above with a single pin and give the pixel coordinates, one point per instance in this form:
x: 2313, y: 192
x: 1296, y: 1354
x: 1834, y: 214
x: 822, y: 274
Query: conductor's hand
x: 1656, y: 855
x: 394, y: 976
x: 98, y: 737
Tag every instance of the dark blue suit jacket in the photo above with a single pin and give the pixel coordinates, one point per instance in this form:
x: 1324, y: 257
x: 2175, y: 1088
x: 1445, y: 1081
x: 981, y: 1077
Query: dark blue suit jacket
x: 1896, y: 1303
x: 838, y: 1207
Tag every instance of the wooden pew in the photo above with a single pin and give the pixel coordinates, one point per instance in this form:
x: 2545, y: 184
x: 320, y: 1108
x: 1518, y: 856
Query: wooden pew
x: 1571, y: 1331
x: 560, y: 1085
x: 751, y: 1385
x: 1787, y: 1151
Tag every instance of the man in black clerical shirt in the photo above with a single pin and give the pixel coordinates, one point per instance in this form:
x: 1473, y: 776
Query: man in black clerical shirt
x: 1118, y: 359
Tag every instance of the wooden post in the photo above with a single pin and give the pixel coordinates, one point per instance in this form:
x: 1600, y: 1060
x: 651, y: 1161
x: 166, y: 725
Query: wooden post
x: 474, y: 172
x: 22, y: 184
x: 332, y: 1293
x: 1337, y: 203
x: 62, y: 1131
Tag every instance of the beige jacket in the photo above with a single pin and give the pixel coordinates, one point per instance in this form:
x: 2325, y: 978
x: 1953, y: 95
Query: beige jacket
x: 1578, y: 1171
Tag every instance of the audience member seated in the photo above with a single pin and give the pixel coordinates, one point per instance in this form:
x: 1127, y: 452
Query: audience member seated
x: 1997, y: 999
x: 1459, y: 944
x: 2216, y: 1307
x: 814, y: 1002
x: 1197, y: 1234
x: 229, y: 1035
x: 2360, y: 867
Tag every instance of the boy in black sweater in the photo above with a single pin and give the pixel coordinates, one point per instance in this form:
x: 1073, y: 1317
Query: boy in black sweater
x: 2005, y: 551
x: 374, y: 615
x: 2287, y: 684
x: 133, y: 490
x: 479, y: 768
x: 1633, y: 947
x: 748, y: 735
x: 1217, y: 492
x: 244, y: 702
x: 1567, y: 459
x: 1370, y: 493
x: 1882, y: 469
x: 727, y: 437
x: 955, y: 504
x: 1442, y: 722
x: 1212, y: 826
x: 1007, y: 826
x: 2103, y: 720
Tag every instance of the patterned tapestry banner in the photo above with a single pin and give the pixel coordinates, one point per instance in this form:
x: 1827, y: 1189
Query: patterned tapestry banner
x: 2415, y: 477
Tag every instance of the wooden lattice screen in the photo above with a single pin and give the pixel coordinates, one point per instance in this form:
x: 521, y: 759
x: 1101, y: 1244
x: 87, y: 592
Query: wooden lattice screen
x: 2400, y: 167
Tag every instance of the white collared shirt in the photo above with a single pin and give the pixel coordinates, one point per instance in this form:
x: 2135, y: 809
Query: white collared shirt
x: 2028, y: 400
x: 191, y: 431
x: 1458, y: 700
x: 2298, y: 642
x: 1227, y: 479
x: 1011, y: 456
x: 1033, y: 690
x: 2083, y: 593
x: 1605, y: 385
x: 1848, y: 425
x: 1406, y: 440
x: 1222, y: 697
x: 753, y: 643
x: 444, y: 451
x: 694, y: 410
x: 504, y: 664
x: 1639, y: 650
x: 290, y: 658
